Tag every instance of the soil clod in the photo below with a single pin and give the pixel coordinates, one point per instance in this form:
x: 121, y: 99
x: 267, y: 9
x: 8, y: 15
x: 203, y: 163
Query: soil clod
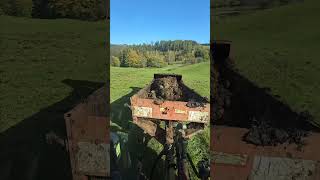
x: 263, y: 133
x: 167, y: 88
x: 193, y: 104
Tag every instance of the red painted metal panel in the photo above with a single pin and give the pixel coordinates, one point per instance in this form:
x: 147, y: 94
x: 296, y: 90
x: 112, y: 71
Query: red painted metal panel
x: 88, y: 126
x: 168, y: 110
x: 229, y: 140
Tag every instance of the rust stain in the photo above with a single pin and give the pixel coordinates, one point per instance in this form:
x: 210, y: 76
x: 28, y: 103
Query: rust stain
x: 229, y: 140
x: 88, y: 136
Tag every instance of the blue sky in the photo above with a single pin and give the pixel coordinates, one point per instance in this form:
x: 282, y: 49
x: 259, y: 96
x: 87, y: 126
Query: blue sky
x: 144, y: 21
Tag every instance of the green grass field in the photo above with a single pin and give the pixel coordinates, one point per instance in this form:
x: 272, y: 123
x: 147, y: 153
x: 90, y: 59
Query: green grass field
x: 46, y: 67
x: 37, y: 55
x: 196, y: 76
x: 279, y: 48
x: 126, y: 81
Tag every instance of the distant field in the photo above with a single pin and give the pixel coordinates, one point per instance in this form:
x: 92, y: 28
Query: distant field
x: 123, y: 83
x: 196, y: 76
x: 279, y: 48
x: 37, y: 55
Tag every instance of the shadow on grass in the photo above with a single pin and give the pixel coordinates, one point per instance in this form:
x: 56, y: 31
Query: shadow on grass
x: 138, y: 149
x: 248, y: 100
x: 24, y: 153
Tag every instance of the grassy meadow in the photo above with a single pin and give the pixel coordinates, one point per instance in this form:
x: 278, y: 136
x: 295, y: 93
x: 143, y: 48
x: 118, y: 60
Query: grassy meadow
x: 46, y: 67
x: 196, y: 76
x: 37, y: 55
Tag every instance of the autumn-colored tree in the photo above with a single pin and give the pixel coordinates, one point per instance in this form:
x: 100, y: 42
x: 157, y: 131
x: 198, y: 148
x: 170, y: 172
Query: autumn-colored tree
x: 170, y: 57
x: 202, y: 54
x: 131, y: 58
x: 155, y: 59
x: 189, y: 58
x: 115, y: 61
x: 160, y: 53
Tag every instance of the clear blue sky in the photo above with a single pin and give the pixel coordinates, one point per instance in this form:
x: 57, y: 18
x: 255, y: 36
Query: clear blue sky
x: 143, y: 21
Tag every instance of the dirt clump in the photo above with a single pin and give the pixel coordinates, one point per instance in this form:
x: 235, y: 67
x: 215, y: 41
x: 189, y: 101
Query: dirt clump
x: 263, y: 133
x: 193, y: 104
x: 171, y: 88
x: 167, y: 88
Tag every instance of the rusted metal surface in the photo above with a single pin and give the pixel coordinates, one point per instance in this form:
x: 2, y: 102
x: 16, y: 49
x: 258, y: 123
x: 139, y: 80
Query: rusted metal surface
x: 91, y: 157
x: 152, y: 128
x: 145, y: 111
x: 169, y: 110
x: 146, y: 124
x: 228, y: 140
x: 282, y: 168
x: 88, y: 137
x: 142, y: 111
x: 169, y: 132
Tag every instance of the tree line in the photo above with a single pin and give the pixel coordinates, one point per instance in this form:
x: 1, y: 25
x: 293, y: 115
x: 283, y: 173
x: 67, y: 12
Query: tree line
x: 15, y: 8
x: 159, y: 54
x: 74, y: 9
x: 51, y: 9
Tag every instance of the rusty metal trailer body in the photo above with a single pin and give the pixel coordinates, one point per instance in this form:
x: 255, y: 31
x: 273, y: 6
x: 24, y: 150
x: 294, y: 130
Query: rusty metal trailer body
x: 88, y: 137
x: 146, y: 113
x: 234, y: 159
x: 182, y: 120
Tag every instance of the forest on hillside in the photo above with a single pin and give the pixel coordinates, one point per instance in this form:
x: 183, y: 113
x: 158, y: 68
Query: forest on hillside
x: 159, y: 54
x: 52, y: 9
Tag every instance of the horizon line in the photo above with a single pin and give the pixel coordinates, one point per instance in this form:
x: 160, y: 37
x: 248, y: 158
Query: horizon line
x: 152, y: 42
